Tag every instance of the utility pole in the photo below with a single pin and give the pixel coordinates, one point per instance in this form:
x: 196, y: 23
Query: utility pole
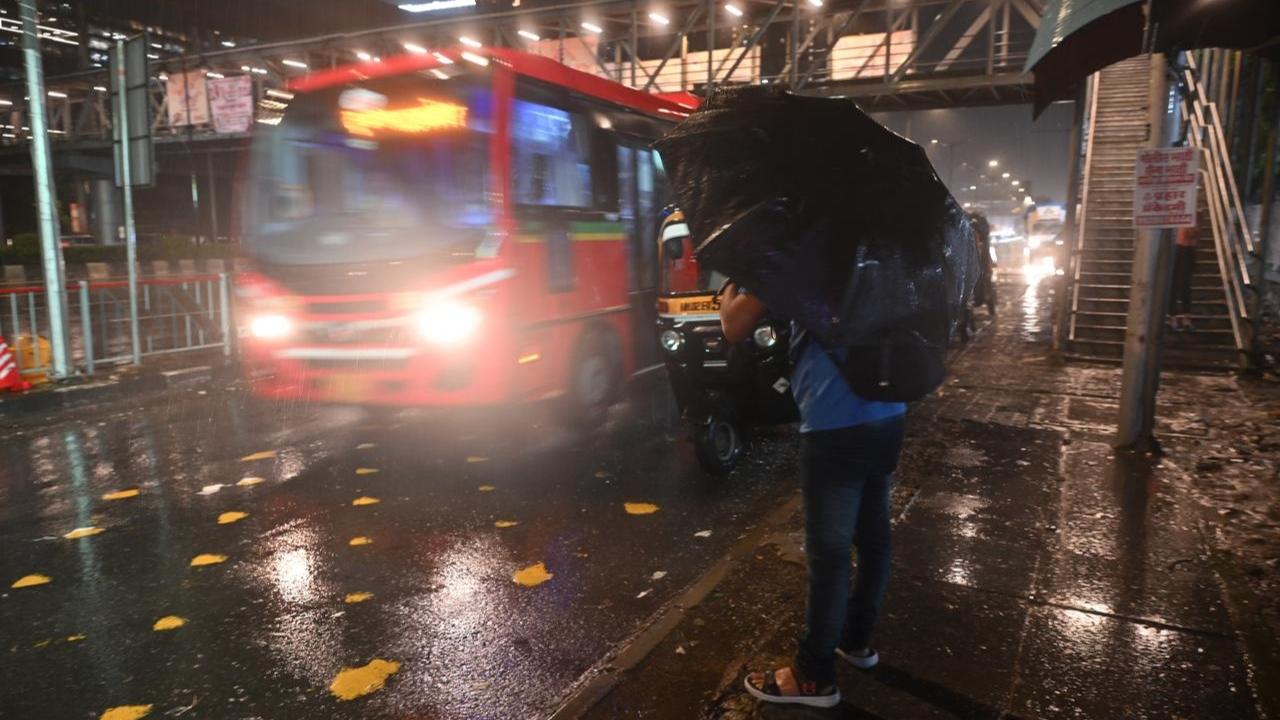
x: 55, y: 286
x: 123, y: 131
x: 1149, y: 286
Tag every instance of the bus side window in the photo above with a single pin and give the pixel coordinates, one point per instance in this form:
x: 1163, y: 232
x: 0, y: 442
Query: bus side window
x: 551, y: 156
x: 627, y: 212
x: 604, y: 170
x: 648, y: 205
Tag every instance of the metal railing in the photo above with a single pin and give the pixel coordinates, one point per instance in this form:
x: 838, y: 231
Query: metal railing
x: 178, y: 314
x: 1076, y: 256
x: 1232, y: 237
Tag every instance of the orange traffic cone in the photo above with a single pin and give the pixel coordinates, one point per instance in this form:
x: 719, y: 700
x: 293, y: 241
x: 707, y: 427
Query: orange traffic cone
x: 10, y: 378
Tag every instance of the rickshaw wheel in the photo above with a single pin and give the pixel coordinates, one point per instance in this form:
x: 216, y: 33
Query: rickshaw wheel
x: 719, y: 445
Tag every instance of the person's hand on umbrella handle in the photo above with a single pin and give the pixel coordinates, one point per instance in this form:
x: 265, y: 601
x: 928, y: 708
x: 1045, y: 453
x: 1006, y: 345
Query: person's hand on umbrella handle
x: 727, y: 292
x: 739, y: 312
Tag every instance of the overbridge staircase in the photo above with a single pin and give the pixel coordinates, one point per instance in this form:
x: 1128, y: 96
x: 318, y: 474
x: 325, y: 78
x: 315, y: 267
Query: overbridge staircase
x: 1102, y: 258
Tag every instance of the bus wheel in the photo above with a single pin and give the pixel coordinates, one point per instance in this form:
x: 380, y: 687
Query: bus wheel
x: 594, y: 382
x: 718, y: 444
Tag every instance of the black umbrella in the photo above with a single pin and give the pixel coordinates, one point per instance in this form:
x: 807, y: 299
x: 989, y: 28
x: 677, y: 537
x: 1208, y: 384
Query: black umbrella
x: 753, y: 143
x: 1077, y: 39
x: 832, y: 219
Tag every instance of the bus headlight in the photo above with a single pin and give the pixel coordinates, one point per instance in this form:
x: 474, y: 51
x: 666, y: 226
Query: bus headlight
x: 671, y: 340
x: 765, y: 336
x: 271, y: 327
x: 448, y: 322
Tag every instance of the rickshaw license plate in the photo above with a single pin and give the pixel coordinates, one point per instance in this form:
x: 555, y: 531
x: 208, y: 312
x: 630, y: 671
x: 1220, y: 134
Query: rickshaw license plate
x: 347, y: 388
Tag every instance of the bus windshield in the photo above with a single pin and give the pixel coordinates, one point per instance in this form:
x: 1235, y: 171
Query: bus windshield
x: 390, y: 171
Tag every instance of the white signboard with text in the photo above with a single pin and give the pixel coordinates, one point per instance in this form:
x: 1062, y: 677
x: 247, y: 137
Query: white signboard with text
x: 1164, y: 195
x: 231, y: 100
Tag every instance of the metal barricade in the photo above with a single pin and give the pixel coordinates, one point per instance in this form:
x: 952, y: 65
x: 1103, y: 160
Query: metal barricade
x: 175, y: 315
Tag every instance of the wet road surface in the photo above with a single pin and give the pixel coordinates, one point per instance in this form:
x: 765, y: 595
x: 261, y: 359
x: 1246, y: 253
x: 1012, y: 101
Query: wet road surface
x: 368, y: 537
x: 1037, y: 574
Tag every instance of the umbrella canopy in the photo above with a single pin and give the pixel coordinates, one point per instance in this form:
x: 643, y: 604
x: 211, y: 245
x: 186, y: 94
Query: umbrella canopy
x: 830, y: 218
x: 1080, y: 37
x: 754, y: 143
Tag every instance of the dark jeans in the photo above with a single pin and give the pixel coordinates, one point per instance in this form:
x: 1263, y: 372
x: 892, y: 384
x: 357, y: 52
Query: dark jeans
x: 848, y: 474
x: 1184, y: 267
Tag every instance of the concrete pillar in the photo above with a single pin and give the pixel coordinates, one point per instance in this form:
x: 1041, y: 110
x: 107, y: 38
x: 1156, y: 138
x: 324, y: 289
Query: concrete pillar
x: 1150, y: 284
x: 106, y: 211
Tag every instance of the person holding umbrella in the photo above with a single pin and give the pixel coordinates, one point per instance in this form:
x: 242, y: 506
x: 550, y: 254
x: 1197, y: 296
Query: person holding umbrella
x: 844, y: 228
x: 850, y: 450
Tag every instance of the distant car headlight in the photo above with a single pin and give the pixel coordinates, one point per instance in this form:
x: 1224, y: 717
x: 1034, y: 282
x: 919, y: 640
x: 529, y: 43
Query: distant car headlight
x: 671, y: 340
x: 448, y: 322
x: 765, y: 336
x: 271, y: 327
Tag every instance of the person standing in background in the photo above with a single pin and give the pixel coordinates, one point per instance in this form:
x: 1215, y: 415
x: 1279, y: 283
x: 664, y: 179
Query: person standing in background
x: 1184, y: 268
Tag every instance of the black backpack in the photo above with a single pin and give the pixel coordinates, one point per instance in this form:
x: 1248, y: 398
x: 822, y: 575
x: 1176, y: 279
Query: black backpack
x: 884, y: 311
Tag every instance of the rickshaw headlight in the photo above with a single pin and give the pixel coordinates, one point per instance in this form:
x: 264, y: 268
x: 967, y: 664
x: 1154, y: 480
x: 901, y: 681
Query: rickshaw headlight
x: 765, y: 336
x: 671, y: 340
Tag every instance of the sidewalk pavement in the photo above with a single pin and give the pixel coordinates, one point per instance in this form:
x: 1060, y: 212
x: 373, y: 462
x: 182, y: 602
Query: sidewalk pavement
x: 1036, y: 573
x: 109, y: 385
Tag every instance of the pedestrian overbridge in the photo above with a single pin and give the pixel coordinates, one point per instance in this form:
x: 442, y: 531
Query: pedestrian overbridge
x: 886, y: 54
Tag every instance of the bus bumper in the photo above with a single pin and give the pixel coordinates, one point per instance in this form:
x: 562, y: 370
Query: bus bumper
x: 399, y: 377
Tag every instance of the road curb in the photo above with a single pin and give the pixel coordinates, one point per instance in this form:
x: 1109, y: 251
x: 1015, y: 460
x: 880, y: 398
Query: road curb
x: 597, y: 682
x: 78, y: 393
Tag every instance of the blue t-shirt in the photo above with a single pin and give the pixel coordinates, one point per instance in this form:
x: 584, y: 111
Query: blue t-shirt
x: 824, y: 397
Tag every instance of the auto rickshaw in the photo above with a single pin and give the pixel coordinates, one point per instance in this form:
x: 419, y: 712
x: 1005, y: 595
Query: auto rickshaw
x: 722, y: 389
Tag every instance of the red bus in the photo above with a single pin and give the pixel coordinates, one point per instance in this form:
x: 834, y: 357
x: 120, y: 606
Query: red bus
x: 449, y: 229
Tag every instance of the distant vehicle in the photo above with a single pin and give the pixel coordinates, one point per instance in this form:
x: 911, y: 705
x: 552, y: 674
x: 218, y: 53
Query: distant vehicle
x: 454, y: 229
x: 1044, y: 231
x: 1008, y: 249
x: 1044, y: 255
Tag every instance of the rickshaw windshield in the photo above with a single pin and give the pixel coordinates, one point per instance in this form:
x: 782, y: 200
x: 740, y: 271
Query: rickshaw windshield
x: 681, y: 274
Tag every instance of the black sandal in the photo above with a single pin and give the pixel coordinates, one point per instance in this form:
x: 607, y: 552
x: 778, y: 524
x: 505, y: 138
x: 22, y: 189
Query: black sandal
x: 769, y: 687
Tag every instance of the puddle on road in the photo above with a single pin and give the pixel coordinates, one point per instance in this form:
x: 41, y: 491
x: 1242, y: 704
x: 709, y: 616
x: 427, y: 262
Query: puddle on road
x: 965, y: 456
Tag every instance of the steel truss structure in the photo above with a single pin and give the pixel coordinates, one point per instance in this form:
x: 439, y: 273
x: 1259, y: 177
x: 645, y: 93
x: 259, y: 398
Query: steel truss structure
x: 886, y: 54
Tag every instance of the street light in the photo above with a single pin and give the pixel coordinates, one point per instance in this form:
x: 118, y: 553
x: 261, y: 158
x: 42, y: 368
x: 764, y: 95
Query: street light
x: 1004, y: 175
x: 363, y: 56
x: 530, y: 36
x: 933, y: 141
x: 816, y: 3
x: 414, y: 48
x: 993, y: 163
x: 1016, y: 183
x: 592, y: 27
x: 733, y: 10
x: 659, y: 18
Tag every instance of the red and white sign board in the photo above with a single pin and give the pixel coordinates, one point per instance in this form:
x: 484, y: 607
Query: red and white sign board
x: 231, y: 100
x: 1165, y: 191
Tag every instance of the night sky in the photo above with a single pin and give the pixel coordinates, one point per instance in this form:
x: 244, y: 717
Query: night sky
x: 1029, y: 151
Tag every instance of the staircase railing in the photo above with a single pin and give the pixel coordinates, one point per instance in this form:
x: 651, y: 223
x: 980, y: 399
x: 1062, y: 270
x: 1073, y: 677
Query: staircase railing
x: 1075, y: 261
x: 1232, y: 237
